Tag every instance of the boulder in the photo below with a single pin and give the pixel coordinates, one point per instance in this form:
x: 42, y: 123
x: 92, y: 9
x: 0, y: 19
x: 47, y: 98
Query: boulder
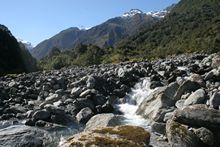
x: 99, y: 99
x: 86, y: 92
x: 12, y: 84
x: 40, y: 123
x: 155, y: 84
x: 104, y: 120
x: 158, y: 127
x: 199, y: 116
x: 197, y: 97
x: 91, y: 81
x: 17, y: 109
x: 179, y: 136
x: 24, y: 136
x: 83, y: 103
x: 128, y: 75
x: 180, y: 103
x: 76, y: 91
x: 63, y: 119
x: 53, y: 109
x: 84, y: 115
x: 119, y: 93
x: 215, y: 100
x: 168, y: 116
x: 107, y: 107
x: 59, y: 92
x: 46, y: 87
x: 156, y: 104
x: 111, y: 136
x: 30, y: 122
x: 185, y: 87
x: 205, y: 135
x: 198, y: 79
x: 211, y: 74
x: 50, y: 100
x: 41, y: 115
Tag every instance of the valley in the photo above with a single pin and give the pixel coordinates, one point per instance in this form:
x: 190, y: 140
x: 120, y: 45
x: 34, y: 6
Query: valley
x: 142, y: 79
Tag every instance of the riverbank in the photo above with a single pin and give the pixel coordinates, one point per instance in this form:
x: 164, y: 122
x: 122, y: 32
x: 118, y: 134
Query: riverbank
x: 66, y: 99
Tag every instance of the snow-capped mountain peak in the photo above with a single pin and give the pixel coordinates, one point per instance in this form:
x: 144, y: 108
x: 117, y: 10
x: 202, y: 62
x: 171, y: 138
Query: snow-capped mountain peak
x: 132, y: 12
x: 27, y: 44
x: 156, y: 14
x: 84, y: 28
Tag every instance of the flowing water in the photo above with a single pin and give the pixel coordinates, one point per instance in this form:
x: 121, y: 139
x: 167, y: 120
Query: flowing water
x: 133, y: 100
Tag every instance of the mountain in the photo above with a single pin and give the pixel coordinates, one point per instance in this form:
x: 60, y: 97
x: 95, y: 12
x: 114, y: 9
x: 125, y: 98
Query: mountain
x: 192, y: 25
x: 64, y: 39
x: 107, y: 34
x: 27, y: 44
x: 13, y: 58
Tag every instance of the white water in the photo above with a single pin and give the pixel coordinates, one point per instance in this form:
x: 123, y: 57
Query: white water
x: 133, y: 99
x: 140, y: 91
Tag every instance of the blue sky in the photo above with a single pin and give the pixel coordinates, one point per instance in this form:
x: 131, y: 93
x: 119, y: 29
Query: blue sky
x: 37, y: 20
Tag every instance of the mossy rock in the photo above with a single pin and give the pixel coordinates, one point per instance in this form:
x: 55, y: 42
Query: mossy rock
x: 179, y: 136
x: 120, y: 136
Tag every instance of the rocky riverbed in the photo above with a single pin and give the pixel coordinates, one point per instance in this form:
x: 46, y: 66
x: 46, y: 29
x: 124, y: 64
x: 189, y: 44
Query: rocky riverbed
x: 183, y: 105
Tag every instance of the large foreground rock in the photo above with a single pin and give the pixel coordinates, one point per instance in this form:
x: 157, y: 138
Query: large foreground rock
x: 155, y: 105
x: 123, y: 136
x: 104, y: 120
x: 179, y: 136
x: 24, y: 136
x: 199, y: 116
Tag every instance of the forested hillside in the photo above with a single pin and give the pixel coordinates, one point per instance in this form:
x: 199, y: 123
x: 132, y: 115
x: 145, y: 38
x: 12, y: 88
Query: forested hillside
x: 193, y: 25
x: 13, y: 58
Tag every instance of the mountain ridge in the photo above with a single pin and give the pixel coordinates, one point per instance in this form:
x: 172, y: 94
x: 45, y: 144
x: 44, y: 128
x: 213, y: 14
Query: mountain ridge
x: 106, y: 34
x: 191, y: 26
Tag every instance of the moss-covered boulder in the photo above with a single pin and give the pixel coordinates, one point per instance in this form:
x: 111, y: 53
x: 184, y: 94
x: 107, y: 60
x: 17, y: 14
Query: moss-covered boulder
x: 179, y: 136
x: 120, y: 136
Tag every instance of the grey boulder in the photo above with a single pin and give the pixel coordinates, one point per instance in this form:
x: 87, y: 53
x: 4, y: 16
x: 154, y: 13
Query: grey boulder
x: 199, y: 116
x: 155, y: 106
x: 24, y: 136
x: 41, y: 115
x: 197, y: 97
x: 215, y: 100
x: 84, y: 115
x: 104, y: 120
x: 186, y: 86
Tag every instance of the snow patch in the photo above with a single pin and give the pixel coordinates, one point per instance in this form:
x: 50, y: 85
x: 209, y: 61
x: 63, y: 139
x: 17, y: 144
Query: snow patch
x: 155, y: 14
x: 27, y: 44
